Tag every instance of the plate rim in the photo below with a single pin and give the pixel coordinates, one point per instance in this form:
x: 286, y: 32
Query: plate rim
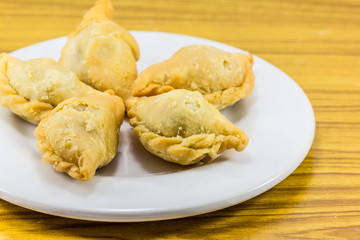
x: 151, y: 215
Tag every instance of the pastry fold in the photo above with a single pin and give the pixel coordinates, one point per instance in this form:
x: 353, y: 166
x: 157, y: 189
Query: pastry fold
x: 81, y: 134
x: 222, y: 78
x: 181, y: 126
x: 102, y: 53
x: 32, y: 88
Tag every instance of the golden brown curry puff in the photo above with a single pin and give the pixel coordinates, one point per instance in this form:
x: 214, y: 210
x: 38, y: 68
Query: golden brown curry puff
x: 102, y: 53
x: 81, y: 134
x: 181, y: 126
x: 221, y: 77
x: 32, y: 88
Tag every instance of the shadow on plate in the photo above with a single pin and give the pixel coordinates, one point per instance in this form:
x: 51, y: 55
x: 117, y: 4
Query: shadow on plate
x: 240, y: 109
x: 23, y: 127
x: 133, y: 160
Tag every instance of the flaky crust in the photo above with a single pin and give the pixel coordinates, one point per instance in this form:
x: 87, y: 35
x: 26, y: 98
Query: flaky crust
x: 81, y: 134
x: 181, y: 126
x: 31, y: 110
x: 32, y: 88
x: 102, y: 53
x: 222, y: 78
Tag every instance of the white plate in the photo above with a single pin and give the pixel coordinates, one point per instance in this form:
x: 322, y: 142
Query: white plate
x: 136, y: 186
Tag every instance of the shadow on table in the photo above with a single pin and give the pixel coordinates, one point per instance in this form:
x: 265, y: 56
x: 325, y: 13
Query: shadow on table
x: 245, y: 218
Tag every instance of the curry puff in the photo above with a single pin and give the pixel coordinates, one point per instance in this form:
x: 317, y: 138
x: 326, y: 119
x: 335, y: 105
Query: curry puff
x: 102, y: 53
x: 32, y: 88
x: 222, y: 78
x: 180, y: 126
x: 81, y: 134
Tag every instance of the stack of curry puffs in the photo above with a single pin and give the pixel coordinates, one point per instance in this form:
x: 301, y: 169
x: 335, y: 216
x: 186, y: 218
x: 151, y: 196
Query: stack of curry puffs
x: 78, y: 103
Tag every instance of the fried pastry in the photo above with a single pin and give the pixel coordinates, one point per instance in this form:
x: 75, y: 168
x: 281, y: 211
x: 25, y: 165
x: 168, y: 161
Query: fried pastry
x: 81, y: 134
x: 102, y: 53
x: 222, y: 78
x: 32, y: 88
x: 181, y: 126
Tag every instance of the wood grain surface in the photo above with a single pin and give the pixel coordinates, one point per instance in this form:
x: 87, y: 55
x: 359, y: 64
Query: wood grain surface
x: 316, y: 42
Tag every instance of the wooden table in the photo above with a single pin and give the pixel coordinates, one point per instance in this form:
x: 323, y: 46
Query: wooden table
x: 316, y: 42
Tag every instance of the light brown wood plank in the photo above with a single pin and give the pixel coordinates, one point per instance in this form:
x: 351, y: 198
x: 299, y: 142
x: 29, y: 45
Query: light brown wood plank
x: 316, y: 42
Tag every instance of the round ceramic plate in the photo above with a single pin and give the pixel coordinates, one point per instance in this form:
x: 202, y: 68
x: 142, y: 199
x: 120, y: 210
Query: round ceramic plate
x: 137, y: 186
